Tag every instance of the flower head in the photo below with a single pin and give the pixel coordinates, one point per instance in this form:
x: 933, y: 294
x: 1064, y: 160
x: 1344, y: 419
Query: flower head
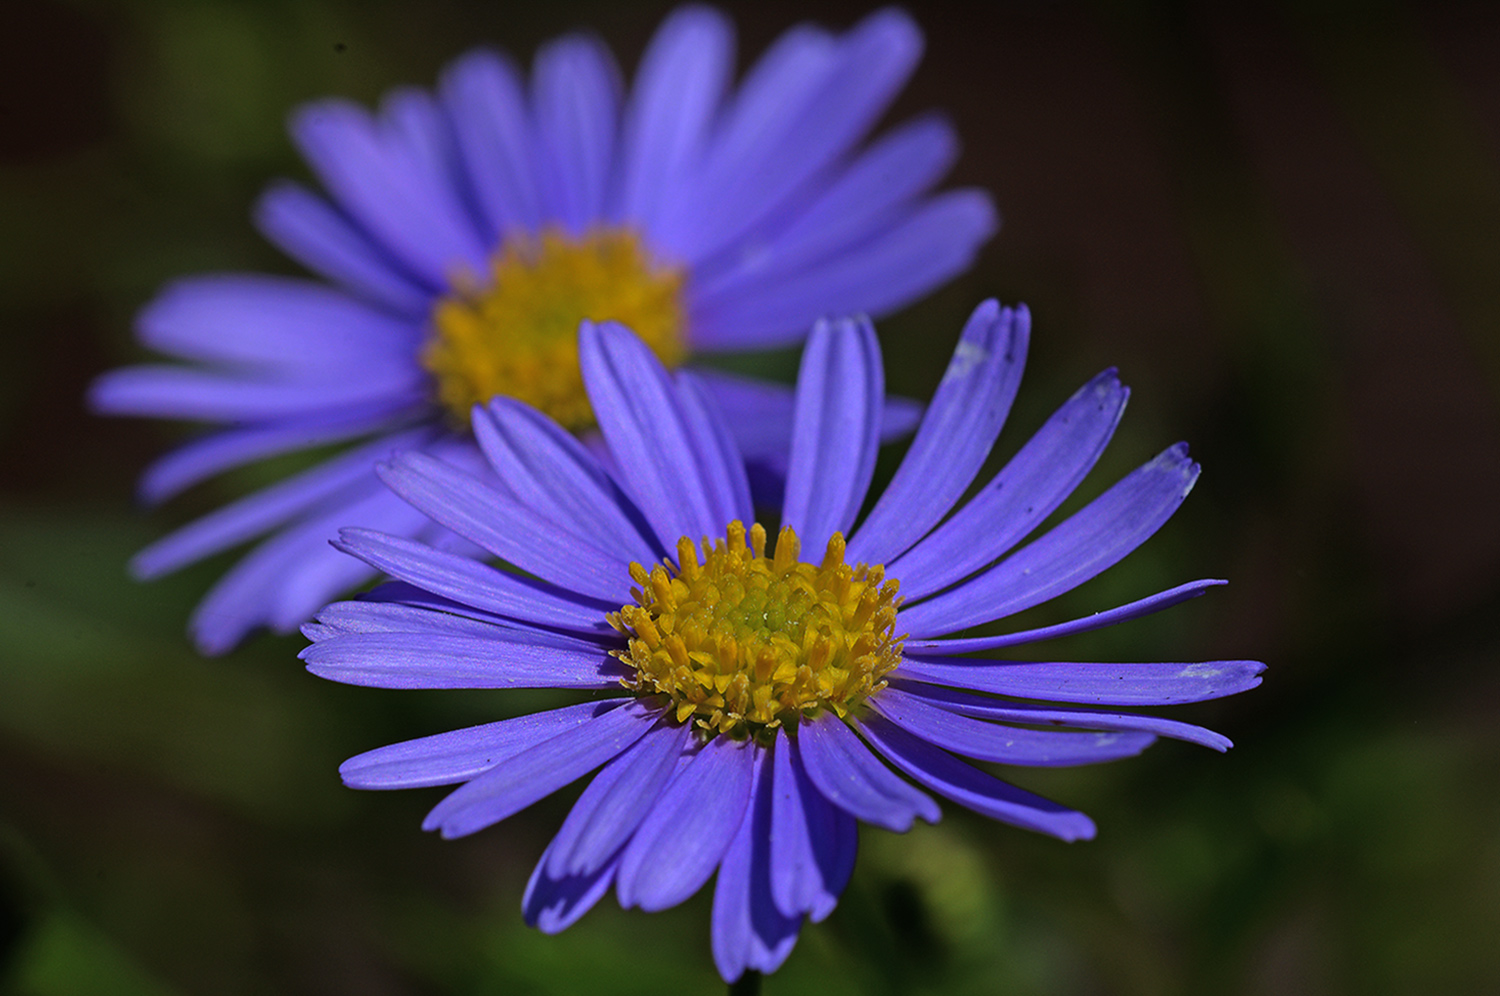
x: 464, y: 234
x: 753, y: 698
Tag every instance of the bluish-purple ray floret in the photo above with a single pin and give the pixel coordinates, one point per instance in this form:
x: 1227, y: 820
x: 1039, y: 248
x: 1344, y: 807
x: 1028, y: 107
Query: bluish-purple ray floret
x: 766, y: 694
x: 458, y: 237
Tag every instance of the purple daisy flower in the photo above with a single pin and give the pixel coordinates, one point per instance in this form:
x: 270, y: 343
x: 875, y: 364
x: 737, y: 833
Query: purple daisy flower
x: 466, y: 232
x: 762, y: 696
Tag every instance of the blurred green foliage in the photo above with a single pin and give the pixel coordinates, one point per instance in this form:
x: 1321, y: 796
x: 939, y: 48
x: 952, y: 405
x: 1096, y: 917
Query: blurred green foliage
x: 1281, y: 222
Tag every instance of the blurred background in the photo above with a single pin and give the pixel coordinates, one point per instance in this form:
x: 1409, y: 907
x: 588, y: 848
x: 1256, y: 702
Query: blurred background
x: 1281, y: 222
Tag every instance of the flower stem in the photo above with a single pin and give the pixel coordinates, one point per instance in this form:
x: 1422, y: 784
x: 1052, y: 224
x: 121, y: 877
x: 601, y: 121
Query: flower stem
x: 748, y: 984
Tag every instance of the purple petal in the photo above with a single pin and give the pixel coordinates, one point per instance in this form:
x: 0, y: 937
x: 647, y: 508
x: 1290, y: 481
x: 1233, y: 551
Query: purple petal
x: 382, y: 181
x: 367, y: 616
x: 774, y: 88
x: 482, y: 93
x: 836, y: 431
x: 955, y: 436
x: 284, y: 580
x: 341, y: 481
x: 931, y: 244
x: 1091, y: 540
x: 321, y: 238
x: 511, y: 531
x: 813, y: 842
x: 575, y: 94
x: 749, y: 932
x: 552, y: 905
x: 759, y: 414
x: 616, y: 802
x: 870, y: 195
x: 1102, y: 684
x: 850, y: 777
x: 459, y: 755
x: 514, y: 658
x: 677, y: 91
x: 162, y: 391
x: 547, y: 469
x: 647, y: 431
x: 678, y: 845
x: 723, y: 467
x: 471, y: 583
x: 970, y: 787
x: 1026, y: 491
x: 1039, y: 715
x: 832, y: 100
x: 986, y: 741
x: 275, y: 323
x: 1098, y: 620
x: 540, y: 770
x: 219, y: 451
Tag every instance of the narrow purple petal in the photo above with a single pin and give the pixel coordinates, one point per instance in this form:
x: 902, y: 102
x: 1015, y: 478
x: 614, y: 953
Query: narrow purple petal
x: 967, y: 411
x: 970, y: 787
x: 163, y: 391
x: 1102, y: 684
x: 515, y: 658
x: 323, y: 573
x: 575, y: 100
x: 866, y: 198
x: 219, y: 451
x: 548, y: 470
x: 275, y: 324
x: 759, y: 414
x: 616, y: 802
x: 935, y: 241
x: 677, y: 92
x: 1091, y: 540
x: 376, y: 175
x: 1098, y: 620
x: 1027, y: 490
x: 321, y: 238
x: 749, y: 932
x: 507, y: 529
x: 367, y: 616
x: 552, y: 905
x: 471, y: 583
x: 813, y: 842
x: 850, y: 777
x: 459, y: 755
x: 986, y: 741
x: 678, y: 845
x: 1045, y: 715
x: 540, y: 770
x: 343, y: 480
x: 750, y: 172
x: 781, y: 82
x: 836, y: 431
x: 484, y: 98
x: 720, y: 461
x: 646, y: 428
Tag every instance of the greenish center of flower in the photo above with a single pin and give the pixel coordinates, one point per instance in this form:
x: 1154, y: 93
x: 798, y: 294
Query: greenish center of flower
x: 743, y: 643
x: 518, y: 334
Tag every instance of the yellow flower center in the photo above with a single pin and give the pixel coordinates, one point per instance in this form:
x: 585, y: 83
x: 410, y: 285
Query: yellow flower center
x: 744, y: 643
x: 518, y: 335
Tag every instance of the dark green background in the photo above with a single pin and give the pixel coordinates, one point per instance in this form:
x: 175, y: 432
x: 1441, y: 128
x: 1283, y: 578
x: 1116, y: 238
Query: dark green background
x: 1281, y: 222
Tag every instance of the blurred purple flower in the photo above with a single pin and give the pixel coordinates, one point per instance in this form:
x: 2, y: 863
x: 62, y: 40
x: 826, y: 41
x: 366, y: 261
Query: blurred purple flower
x: 766, y: 693
x: 466, y: 232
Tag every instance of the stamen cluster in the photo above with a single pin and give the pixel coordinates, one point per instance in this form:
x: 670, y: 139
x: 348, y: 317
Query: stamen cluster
x: 517, y: 334
x: 743, y: 643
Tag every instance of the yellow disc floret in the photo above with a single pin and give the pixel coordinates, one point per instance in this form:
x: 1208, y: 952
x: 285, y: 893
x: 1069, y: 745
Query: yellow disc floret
x: 744, y: 643
x: 517, y: 333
